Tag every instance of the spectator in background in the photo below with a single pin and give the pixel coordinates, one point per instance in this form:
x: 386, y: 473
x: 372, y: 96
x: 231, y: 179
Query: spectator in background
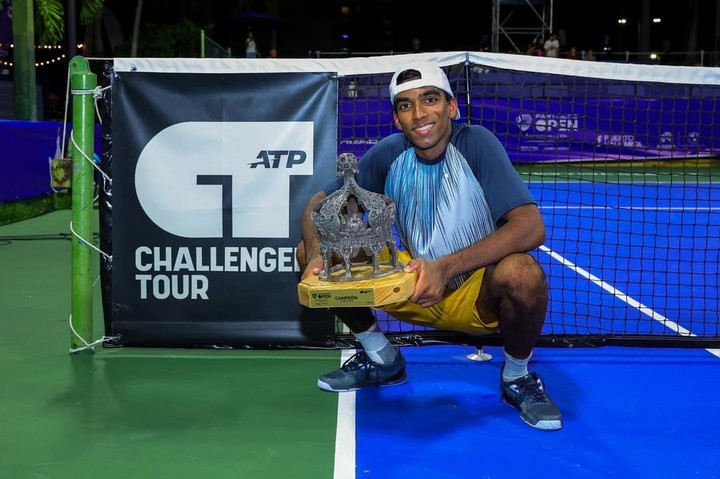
x: 250, y: 47
x: 539, y: 48
x: 535, y: 48
x: 273, y: 53
x: 590, y: 56
x: 573, y: 55
x: 416, y: 45
x: 552, y: 46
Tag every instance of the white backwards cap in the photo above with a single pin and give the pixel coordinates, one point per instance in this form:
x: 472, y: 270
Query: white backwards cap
x: 430, y: 75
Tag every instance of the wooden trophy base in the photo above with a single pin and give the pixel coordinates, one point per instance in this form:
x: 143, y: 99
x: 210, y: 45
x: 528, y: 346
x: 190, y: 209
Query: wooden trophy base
x: 316, y: 293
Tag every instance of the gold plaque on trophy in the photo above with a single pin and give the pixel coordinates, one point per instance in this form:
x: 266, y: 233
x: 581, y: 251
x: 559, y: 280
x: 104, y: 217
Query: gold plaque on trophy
x: 316, y: 293
x: 356, y: 223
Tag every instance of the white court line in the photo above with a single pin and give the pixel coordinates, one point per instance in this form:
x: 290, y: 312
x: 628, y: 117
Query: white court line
x: 655, y: 316
x: 345, y: 432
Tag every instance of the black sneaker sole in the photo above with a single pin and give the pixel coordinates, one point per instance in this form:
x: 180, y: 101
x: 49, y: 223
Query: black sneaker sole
x: 543, y: 425
x: 389, y: 382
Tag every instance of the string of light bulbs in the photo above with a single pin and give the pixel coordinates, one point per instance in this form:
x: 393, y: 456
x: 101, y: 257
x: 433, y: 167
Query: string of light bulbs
x: 58, y: 58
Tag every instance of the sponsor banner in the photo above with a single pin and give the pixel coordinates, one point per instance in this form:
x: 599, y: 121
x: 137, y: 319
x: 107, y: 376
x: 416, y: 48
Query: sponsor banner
x: 531, y: 130
x: 211, y: 173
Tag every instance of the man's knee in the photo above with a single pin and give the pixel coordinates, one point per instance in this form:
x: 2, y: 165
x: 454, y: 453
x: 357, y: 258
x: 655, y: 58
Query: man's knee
x: 520, y: 274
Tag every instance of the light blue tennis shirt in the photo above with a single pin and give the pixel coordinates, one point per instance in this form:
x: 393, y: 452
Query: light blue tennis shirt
x: 449, y: 203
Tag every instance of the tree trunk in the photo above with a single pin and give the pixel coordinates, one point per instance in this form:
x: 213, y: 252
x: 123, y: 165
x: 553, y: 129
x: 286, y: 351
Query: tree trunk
x: 24, y: 94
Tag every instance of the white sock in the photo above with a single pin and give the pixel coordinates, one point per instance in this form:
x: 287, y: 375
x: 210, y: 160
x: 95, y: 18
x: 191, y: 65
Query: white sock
x: 514, y: 368
x: 376, y: 345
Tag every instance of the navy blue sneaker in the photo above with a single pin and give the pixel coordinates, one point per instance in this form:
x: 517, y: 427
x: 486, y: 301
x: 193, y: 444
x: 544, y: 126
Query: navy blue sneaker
x: 527, y: 394
x: 359, y: 371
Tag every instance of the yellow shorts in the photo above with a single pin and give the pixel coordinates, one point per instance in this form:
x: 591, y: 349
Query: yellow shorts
x: 456, y: 311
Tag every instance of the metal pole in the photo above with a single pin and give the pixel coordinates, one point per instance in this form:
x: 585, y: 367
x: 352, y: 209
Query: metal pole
x: 495, y: 30
x: 82, y: 85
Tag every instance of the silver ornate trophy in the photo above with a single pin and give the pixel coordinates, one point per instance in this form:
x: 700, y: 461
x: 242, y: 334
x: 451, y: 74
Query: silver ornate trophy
x: 360, y: 261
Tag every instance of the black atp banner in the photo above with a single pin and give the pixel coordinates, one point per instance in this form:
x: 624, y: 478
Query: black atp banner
x: 211, y: 173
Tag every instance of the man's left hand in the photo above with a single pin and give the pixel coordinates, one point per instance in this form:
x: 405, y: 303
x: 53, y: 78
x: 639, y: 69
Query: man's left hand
x: 431, y: 281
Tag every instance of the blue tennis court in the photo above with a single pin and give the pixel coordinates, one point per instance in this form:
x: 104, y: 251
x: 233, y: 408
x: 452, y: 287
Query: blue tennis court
x: 645, y: 262
x: 629, y: 412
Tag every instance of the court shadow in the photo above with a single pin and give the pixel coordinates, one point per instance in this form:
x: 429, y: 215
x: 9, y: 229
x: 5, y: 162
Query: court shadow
x: 446, y: 393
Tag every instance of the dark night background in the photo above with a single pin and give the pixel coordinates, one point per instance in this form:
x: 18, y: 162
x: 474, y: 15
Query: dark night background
x: 375, y: 26
x: 171, y: 28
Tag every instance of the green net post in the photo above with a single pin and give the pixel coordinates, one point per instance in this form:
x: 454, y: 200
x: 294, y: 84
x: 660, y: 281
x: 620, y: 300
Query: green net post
x: 82, y: 85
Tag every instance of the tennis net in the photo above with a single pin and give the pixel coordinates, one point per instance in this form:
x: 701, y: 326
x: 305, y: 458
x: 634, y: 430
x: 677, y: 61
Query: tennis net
x: 623, y: 162
x: 622, y: 159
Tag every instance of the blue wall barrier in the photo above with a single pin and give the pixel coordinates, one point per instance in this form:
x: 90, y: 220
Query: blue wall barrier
x: 26, y: 151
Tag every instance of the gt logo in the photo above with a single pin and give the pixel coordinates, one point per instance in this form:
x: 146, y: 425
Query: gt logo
x: 192, y: 179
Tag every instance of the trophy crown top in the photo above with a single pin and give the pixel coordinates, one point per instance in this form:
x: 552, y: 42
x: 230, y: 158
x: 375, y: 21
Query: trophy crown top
x: 347, y: 164
x: 352, y: 219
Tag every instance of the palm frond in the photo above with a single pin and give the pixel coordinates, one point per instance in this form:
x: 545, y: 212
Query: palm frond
x: 90, y: 10
x: 50, y: 20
